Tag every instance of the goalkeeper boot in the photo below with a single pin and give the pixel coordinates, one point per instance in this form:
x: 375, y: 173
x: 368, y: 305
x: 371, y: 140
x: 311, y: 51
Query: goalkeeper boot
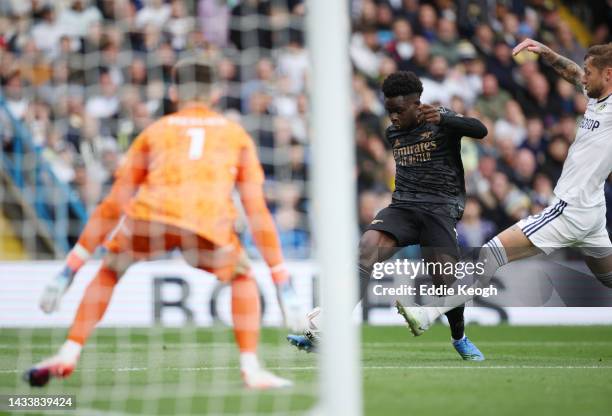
x: 467, y: 350
x: 60, y: 365
x: 257, y: 378
x: 416, y: 317
x: 55, y: 289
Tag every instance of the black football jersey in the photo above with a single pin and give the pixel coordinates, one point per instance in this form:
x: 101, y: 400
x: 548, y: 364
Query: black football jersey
x: 429, y: 170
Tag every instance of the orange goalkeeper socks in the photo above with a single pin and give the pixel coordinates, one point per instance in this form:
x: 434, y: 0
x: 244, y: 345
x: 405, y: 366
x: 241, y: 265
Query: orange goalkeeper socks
x: 245, y: 312
x: 93, y: 305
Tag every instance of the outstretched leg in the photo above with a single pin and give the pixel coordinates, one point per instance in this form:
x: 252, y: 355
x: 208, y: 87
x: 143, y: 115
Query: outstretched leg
x: 230, y: 264
x: 508, y: 246
x: 91, y: 310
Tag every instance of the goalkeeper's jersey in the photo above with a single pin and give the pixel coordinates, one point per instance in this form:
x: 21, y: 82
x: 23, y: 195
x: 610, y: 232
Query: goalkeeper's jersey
x: 185, y: 167
x: 429, y: 171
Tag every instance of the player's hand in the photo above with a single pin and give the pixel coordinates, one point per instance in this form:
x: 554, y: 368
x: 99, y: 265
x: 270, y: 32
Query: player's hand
x: 531, y: 45
x: 428, y: 114
x: 291, y: 307
x: 54, y: 290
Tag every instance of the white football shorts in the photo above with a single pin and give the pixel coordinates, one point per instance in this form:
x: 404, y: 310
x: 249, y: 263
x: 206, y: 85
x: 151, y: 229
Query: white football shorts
x: 562, y: 225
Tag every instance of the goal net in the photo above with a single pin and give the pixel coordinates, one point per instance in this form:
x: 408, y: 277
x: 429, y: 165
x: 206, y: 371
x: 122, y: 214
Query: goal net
x: 82, y: 81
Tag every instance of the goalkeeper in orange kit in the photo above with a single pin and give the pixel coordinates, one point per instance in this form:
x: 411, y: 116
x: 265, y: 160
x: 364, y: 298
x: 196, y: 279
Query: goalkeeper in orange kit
x: 174, y: 190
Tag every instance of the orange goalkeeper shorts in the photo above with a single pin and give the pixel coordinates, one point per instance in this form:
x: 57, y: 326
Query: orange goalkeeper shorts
x: 137, y: 240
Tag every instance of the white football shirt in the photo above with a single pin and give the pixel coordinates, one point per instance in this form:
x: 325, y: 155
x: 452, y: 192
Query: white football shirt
x: 589, y: 160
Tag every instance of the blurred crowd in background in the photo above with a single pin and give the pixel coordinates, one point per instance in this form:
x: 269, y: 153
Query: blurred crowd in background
x: 86, y: 77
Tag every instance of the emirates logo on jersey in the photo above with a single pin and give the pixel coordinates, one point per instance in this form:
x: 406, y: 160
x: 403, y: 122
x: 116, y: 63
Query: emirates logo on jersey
x: 415, y: 153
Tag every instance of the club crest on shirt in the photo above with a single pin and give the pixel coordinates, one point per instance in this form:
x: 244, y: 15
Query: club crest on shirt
x: 600, y: 107
x: 427, y: 134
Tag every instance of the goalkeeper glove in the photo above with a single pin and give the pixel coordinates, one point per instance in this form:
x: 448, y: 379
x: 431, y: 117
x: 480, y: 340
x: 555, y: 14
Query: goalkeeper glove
x: 55, y: 289
x: 291, y: 307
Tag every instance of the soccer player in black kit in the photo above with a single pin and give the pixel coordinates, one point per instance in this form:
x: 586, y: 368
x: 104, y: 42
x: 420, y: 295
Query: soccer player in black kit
x: 429, y: 194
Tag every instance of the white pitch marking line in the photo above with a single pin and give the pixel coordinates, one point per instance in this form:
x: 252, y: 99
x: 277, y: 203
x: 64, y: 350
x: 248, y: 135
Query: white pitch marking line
x: 382, y: 367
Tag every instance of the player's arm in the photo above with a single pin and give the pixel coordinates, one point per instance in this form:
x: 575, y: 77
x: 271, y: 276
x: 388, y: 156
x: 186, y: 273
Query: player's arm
x: 102, y: 221
x: 250, y: 185
x: 461, y: 126
x: 565, y: 67
x: 128, y: 177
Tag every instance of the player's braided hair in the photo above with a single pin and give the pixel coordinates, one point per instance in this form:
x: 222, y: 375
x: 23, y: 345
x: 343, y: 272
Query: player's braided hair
x: 401, y: 83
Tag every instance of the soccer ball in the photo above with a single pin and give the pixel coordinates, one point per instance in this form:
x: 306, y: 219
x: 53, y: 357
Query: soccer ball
x: 313, y: 323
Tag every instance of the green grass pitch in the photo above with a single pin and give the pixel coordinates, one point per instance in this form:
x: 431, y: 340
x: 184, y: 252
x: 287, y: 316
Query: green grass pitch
x: 529, y: 371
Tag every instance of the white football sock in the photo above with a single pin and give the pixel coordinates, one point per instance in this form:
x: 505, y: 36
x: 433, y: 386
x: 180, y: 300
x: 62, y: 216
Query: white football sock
x: 248, y: 361
x: 70, y: 351
x: 493, y: 256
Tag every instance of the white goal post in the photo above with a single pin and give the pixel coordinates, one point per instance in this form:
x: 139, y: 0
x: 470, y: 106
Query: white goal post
x: 334, y: 217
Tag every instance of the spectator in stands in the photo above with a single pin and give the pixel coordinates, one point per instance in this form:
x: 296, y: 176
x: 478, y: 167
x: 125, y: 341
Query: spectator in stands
x: 556, y: 154
x: 542, y: 192
x: 438, y: 86
x: 367, y: 15
x: 88, y: 189
x: 568, y: 46
x: 105, y: 103
x: 566, y: 92
x: 384, y: 21
x: 264, y: 82
x: 136, y: 73
x: 75, y: 20
x: 538, y: 101
x: 501, y: 65
x: 401, y: 47
x: 155, y: 13
x: 16, y: 98
x: 512, y: 125
x: 535, y: 139
x: 293, y: 62
x: 117, y: 60
x: 229, y: 93
x: 473, y: 230
x: 484, y: 39
x: 47, y: 33
x: 524, y: 170
x: 513, y: 202
x: 446, y: 42
x: 469, y: 73
x: 214, y: 18
x: 179, y: 25
x: 419, y: 62
x: 259, y: 36
x: 492, y: 102
x: 366, y: 52
x: 506, y: 151
x: 565, y: 127
x: 427, y: 21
